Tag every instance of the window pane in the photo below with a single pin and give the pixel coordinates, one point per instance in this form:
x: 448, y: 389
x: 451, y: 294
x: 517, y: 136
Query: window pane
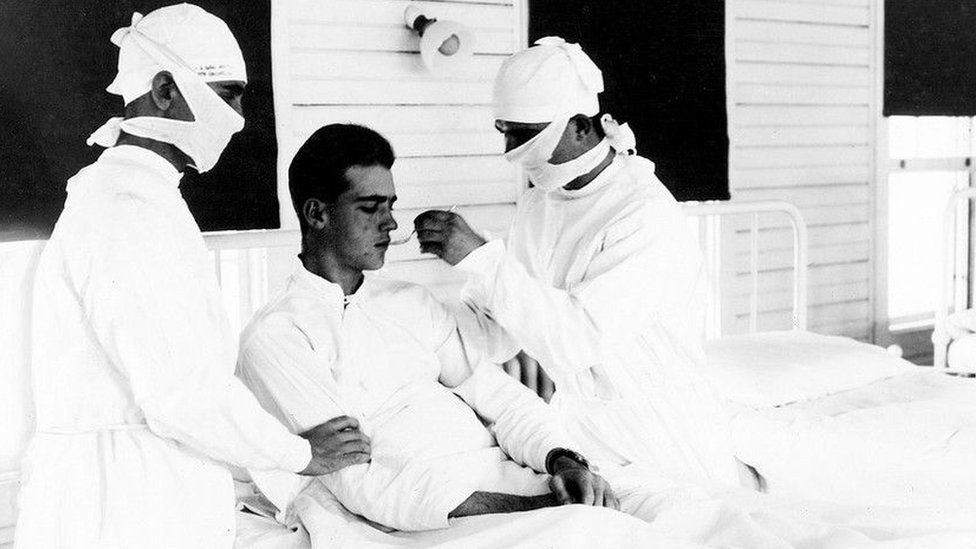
x: 901, y: 136
x: 929, y: 137
x: 915, y: 204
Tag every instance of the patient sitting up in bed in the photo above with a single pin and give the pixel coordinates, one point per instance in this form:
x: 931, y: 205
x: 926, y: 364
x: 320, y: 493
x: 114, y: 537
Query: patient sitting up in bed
x: 382, y: 360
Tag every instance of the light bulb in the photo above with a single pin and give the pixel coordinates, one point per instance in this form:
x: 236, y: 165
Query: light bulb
x: 451, y: 45
x: 444, y: 45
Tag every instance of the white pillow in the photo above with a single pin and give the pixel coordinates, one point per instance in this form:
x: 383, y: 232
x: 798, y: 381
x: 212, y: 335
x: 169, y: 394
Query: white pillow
x: 774, y: 368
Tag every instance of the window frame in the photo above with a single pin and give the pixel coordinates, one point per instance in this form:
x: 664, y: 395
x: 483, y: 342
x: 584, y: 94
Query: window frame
x: 913, y: 332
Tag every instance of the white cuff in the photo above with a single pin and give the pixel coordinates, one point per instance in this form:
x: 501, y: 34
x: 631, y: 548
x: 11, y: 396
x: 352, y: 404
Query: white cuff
x: 483, y: 259
x: 298, y: 456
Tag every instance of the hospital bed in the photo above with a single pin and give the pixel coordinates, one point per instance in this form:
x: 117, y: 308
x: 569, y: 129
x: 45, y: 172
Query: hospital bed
x: 833, y: 419
x: 955, y: 353
x: 820, y: 417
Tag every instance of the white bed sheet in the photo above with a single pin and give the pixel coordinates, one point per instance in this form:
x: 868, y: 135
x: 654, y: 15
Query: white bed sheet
x: 258, y: 532
x: 684, y: 517
x: 907, y: 440
x: 331, y: 526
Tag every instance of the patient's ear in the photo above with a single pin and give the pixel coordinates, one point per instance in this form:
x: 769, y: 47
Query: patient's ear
x: 315, y: 213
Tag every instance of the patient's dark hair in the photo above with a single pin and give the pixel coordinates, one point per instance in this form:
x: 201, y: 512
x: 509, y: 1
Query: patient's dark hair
x: 319, y: 168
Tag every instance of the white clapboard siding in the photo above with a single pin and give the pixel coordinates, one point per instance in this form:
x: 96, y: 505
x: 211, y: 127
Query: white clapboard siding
x: 782, y: 257
x: 819, y: 295
x: 802, y: 88
x: 855, y: 320
x: 811, y: 75
x: 800, y: 115
x: 771, y: 136
x: 354, y: 61
x: 368, y: 66
x: 414, y: 130
x: 814, y: 155
x: 855, y: 14
x: 795, y: 32
x: 799, y: 179
x: 815, y: 54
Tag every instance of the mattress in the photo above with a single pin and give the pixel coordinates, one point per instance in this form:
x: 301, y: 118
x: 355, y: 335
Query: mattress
x: 905, y: 440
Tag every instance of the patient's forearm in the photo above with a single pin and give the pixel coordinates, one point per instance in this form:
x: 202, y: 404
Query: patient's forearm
x: 484, y: 503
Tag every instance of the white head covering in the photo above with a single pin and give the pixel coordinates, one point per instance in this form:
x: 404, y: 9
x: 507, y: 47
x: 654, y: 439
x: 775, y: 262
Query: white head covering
x: 195, y: 47
x: 550, y: 83
x: 199, y: 39
x: 551, y: 80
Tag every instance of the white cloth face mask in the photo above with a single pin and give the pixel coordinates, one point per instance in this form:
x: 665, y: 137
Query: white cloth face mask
x: 202, y: 139
x: 205, y: 138
x: 533, y: 156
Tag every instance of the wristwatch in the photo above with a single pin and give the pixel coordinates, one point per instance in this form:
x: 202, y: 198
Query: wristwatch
x: 557, y: 453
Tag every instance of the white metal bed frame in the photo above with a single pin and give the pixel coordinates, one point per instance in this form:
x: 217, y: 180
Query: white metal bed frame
x: 949, y: 278
x: 704, y: 211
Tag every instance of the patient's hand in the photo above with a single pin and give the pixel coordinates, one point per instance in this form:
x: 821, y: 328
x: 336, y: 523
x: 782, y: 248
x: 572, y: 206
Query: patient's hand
x: 336, y: 444
x: 446, y: 235
x: 574, y: 483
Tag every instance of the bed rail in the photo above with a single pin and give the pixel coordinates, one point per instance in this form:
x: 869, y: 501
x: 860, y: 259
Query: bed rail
x: 800, y: 264
x: 949, y: 277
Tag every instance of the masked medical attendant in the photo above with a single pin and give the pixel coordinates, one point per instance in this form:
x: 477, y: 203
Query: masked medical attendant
x: 599, y: 279
x: 137, y: 404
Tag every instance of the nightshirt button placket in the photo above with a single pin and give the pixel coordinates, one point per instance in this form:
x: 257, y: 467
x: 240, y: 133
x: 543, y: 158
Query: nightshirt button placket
x: 352, y: 374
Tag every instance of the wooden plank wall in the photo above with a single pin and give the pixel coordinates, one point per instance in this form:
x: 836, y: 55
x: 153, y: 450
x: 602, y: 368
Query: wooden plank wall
x: 356, y: 61
x: 801, y: 116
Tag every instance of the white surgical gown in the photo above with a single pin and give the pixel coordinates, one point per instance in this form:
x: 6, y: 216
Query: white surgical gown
x: 605, y: 287
x: 392, y: 359
x: 133, y: 374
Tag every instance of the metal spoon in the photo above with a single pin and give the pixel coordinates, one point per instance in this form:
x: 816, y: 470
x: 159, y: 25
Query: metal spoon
x: 407, y: 238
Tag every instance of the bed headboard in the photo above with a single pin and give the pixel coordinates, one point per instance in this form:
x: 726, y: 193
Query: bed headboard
x: 707, y: 213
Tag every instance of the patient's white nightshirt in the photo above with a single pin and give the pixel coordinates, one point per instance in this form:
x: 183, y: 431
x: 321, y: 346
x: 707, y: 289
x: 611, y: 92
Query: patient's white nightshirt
x: 605, y: 287
x: 133, y: 363
x: 392, y: 358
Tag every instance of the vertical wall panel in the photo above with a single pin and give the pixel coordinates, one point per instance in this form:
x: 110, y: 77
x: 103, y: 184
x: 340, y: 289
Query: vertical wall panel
x: 802, y: 91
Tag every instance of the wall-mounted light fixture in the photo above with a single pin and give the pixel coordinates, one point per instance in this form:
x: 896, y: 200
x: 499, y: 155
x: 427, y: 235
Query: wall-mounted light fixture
x: 444, y: 45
